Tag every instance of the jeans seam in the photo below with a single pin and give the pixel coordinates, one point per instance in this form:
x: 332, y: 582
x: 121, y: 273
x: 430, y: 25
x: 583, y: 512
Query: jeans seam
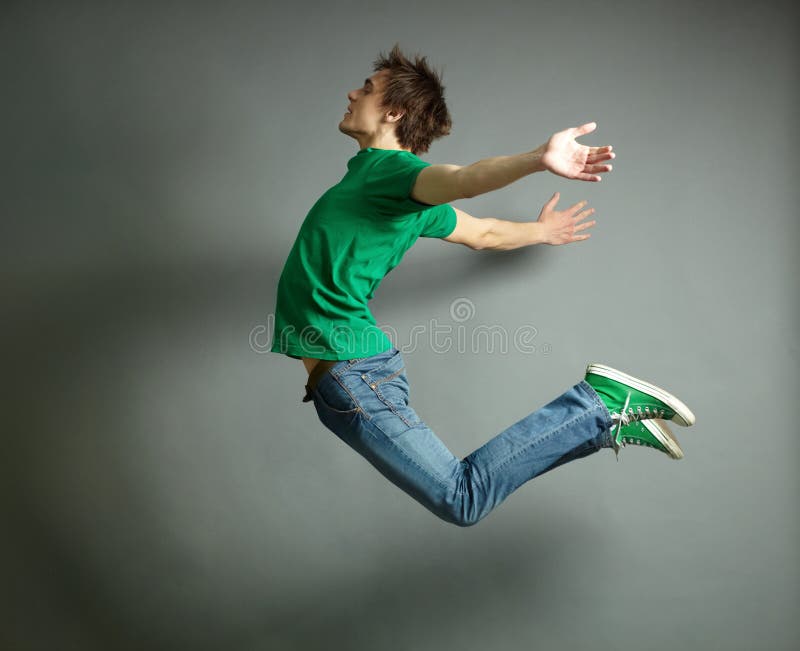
x: 385, y: 363
x: 392, y: 407
x: 589, y: 390
x: 441, y: 482
x: 352, y: 396
x: 346, y: 367
x: 373, y: 384
x: 342, y: 412
x: 538, y: 441
x: 389, y: 377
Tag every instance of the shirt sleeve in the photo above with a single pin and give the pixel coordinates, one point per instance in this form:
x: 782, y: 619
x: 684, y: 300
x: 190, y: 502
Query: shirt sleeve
x: 440, y: 221
x: 389, y: 184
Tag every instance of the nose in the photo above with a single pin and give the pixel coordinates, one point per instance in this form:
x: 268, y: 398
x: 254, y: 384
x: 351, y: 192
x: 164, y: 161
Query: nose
x: 351, y: 95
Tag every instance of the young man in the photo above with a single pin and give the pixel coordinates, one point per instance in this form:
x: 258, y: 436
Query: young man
x: 359, y: 230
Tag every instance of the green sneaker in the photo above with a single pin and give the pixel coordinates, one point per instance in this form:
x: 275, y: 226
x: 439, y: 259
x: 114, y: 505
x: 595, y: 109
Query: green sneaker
x: 630, y: 399
x: 653, y: 433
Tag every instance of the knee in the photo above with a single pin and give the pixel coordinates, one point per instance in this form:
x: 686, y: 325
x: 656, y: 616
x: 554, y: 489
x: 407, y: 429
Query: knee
x: 461, y: 517
x: 466, y: 522
x: 465, y: 505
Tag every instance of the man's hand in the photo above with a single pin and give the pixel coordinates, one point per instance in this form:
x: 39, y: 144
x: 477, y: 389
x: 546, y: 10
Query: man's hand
x: 567, y: 158
x: 563, y: 227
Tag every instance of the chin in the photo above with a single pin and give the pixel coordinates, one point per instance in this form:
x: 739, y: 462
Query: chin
x: 345, y: 130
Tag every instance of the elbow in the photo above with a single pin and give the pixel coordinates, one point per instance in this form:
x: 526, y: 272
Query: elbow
x: 486, y: 239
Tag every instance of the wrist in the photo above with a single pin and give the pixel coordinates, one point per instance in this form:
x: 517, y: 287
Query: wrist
x: 535, y: 159
x: 537, y: 233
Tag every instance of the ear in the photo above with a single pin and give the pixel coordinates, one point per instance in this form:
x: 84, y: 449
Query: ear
x: 394, y: 116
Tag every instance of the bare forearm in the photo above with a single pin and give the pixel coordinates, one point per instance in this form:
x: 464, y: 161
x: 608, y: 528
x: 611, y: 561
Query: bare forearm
x: 552, y: 227
x: 503, y: 235
x: 494, y: 173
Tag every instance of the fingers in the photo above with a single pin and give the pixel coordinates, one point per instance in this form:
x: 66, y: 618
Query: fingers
x: 571, y: 225
x: 596, y: 158
x: 577, y: 235
x: 577, y: 211
x: 596, y: 169
x: 552, y: 201
x: 585, y: 128
x: 574, y: 209
x: 574, y: 237
x: 566, y: 230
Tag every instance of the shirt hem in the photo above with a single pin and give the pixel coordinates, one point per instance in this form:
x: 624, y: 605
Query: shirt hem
x: 330, y: 355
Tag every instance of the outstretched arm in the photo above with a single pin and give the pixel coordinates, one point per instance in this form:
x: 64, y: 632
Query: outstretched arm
x: 552, y: 227
x: 561, y: 155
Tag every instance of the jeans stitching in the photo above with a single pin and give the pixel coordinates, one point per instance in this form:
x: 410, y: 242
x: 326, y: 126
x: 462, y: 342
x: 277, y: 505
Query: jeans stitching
x: 386, y: 400
x: 394, y: 410
x: 341, y: 371
x: 343, y: 412
x: 390, y: 377
x: 538, y: 441
x: 441, y: 482
x: 385, y: 363
x: 589, y: 390
x: 352, y: 396
x: 346, y: 367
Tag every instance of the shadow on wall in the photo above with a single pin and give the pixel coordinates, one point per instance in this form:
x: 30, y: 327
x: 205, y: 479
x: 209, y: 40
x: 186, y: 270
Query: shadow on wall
x: 418, y: 597
x: 92, y: 557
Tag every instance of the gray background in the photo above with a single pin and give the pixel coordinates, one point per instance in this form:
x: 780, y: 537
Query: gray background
x: 163, y: 487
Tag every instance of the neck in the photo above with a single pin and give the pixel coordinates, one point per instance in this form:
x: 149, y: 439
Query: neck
x: 382, y: 141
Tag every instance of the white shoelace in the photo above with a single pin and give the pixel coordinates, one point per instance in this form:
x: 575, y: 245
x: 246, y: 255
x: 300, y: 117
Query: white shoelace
x: 625, y: 418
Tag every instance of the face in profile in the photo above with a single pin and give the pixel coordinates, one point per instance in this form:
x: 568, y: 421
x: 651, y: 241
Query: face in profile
x: 364, y: 115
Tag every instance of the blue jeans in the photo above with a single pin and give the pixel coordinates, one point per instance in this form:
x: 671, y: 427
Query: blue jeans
x: 365, y: 402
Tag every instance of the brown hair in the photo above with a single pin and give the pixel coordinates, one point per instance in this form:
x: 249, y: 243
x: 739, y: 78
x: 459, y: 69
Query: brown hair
x: 417, y: 90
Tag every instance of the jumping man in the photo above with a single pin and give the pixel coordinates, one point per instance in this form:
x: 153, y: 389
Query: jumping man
x: 360, y: 229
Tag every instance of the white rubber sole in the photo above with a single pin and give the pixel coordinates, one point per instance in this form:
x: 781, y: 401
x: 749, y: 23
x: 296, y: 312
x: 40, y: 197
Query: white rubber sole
x: 659, y: 429
x: 683, y: 415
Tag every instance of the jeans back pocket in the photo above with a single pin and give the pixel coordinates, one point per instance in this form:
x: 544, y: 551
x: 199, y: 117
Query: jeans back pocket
x: 389, y: 384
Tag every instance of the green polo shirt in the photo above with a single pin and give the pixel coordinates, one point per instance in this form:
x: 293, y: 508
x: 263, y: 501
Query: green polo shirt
x: 355, y: 234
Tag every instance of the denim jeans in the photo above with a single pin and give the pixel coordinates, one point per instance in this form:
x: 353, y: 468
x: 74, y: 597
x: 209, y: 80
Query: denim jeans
x: 365, y: 402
